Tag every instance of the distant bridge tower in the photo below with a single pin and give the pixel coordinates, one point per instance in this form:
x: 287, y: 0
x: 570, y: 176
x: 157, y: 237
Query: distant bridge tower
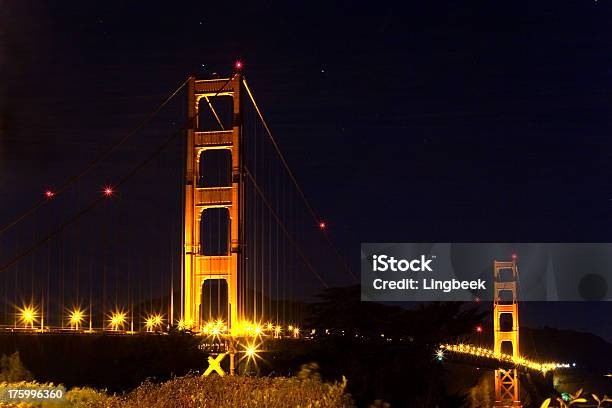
x: 206, y: 261
x: 505, y: 304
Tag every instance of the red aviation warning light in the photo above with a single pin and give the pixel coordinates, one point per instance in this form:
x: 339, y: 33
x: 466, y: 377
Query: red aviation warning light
x: 108, y: 191
x: 514, y: 257
x: 478, y: 329
x: 238, y: 65
x: 49, y: 194
x: 322, y: 225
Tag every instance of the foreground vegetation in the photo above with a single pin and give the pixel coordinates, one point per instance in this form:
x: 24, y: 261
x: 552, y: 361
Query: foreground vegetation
x: 213, y: 391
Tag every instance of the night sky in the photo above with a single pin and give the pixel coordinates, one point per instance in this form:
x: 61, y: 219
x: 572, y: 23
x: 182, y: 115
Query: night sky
x: 434, y: 121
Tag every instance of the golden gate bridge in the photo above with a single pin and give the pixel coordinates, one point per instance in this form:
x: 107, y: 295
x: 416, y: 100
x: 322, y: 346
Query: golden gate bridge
x: 247, y: 259
x: 252, y: 249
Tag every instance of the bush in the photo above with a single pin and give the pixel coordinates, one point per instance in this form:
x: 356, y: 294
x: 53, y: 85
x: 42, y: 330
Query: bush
x: 75, y: 398
x: 85, y: 397
x: 12, y: 370
x: 235, y: 391
x: 205, y: 392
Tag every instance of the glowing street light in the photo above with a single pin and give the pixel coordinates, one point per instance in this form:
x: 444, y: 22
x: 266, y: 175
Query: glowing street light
x: 117, y: 319
x: 487, y: 353
x: 251, y: 352
x: 28, y: 315
x: 296, y: 332
x: 153, y: 321
x: 75, y: 318
x: 149, y: 324
x: 185, y: 324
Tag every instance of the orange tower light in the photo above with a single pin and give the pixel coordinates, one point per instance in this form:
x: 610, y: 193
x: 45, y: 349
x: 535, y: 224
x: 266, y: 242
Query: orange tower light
x: 505, y: 303
x: 199, y: 266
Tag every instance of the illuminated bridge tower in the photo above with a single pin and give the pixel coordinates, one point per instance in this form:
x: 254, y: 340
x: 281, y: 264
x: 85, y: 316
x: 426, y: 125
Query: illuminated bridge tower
x: 506, y: 330
x: 211, y: 254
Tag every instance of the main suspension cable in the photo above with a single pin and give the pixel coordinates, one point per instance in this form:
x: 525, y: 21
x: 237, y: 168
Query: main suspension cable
x: 122, y: 181
x: 68, y: 182
x: 282, y: 226
x: 309, y: 207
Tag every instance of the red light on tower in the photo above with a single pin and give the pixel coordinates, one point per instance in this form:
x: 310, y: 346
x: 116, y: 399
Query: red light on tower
x: 238, y: 65
x: 322, y: 225
x: 514, y: 257
x: 49, y: 193
x: 478, y: 329
x: 108, y: 191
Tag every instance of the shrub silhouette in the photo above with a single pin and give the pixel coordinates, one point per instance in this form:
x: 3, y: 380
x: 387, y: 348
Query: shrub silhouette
x: 13, y: 370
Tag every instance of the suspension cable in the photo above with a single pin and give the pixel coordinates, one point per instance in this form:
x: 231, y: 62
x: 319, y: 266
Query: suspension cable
x: 97, y: 201
x: 282, y: 226
x: 68, y: 182
x: 314, y: 214
x: 122, y: 181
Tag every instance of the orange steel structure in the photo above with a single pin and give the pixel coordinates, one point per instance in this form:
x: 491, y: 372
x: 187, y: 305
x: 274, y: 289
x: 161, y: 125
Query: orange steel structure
x: 506, y: 303
x: 197, y: 267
